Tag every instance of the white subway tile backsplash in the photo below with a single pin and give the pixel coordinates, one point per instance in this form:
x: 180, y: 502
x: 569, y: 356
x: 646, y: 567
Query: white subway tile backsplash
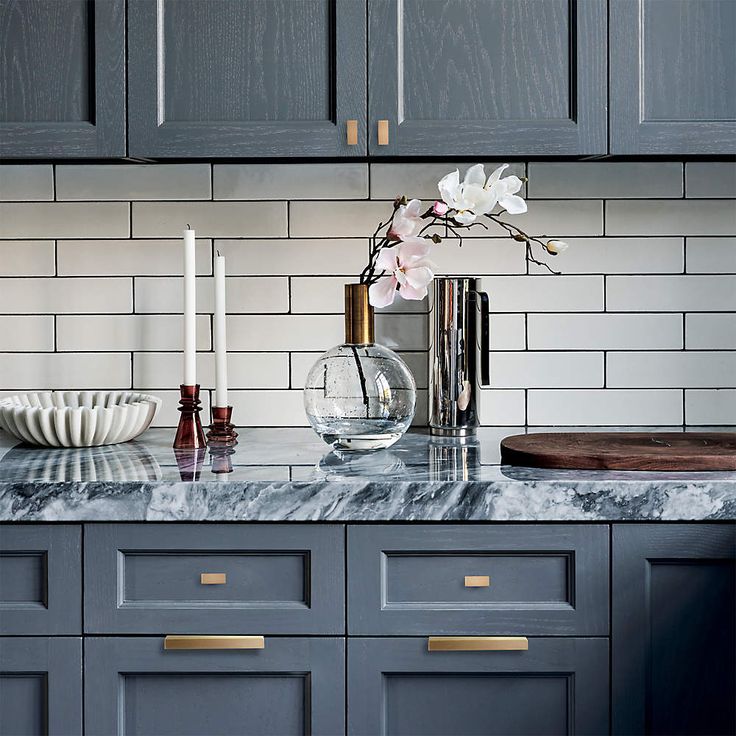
x: 20, y: 182
x: 671, y: 293
x: 562, y: 218
x: 546, y: 293
x: 337, y: 219
x: 64, y: 220
x: 133, y: 181
x: 710, y: 407
x: 507, y: 331
x: 27, y: 258
x: 285, y: 332
x: 689, y: 369
x: 70, y: 371
x: 710, y: 179
x: 711, y: 255
x: 502, y: 407
x: 667, y: 217
x: 710, y: 331
x: 546, y: 370
x: 478, y: 256
x: 210, y: 219
x: 271, y: 408
x: 26, y: 334
x: 65, y: 296
x: 290, y: 181
x: 604, y: 180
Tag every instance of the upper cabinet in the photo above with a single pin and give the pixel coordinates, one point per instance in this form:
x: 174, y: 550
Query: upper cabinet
x: 62, y: 78
x: 246, y: 78
x: 487, y: 77
x: 673, y: 77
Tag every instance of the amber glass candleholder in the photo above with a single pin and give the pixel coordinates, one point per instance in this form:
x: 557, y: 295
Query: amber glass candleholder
x: 222, y: 430
x: 189, y: 433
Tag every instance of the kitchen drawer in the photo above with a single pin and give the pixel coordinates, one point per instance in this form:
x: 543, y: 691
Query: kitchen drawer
x: 40, y: 579
x: 397, y: 687
x: 214, y: 578
x: 521, y: 579
x: 291, y: 686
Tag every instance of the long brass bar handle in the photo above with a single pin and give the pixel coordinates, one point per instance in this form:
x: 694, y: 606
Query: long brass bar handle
x: 352, y: 132
x: 477, y: 643
x: 383, y: 132
x: 214, y: 642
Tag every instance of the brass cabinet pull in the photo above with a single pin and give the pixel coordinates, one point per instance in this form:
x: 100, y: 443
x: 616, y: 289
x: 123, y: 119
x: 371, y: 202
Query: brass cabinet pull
x: 477, y: 581
x: 214, y: 642
x: 477, y: 643
x: 213, y: 578
x: 352, y: 132
x: 383, y: 132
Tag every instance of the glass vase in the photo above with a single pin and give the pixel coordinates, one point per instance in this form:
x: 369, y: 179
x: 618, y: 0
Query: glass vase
x: 359, y: 395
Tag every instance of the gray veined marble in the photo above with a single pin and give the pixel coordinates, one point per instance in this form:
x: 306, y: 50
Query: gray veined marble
x: 288, y: 474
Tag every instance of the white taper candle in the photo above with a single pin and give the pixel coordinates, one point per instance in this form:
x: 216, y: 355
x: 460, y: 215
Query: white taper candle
x: 220, y: 334
x: 190, y: 310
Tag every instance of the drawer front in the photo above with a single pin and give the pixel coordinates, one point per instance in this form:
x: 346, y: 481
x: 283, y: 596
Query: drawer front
x: 40, y: 579
x: 520, y: 579
x: 214, y: 578
x: 292, y: 686
x: 397, y: 687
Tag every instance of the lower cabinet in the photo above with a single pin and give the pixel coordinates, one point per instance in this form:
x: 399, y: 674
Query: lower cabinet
x: 134, y: 686
x: 398, y: 687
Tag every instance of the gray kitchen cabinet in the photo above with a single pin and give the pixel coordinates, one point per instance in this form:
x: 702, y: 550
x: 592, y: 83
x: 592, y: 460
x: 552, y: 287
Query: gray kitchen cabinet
x: 40, y: 686
x: 246, y: 77
x: 487, y: 77
x: 133, y: 686
x: 674, y: 629
x: 62, y: 78
x: 397, y: 687
x: 673, y: 77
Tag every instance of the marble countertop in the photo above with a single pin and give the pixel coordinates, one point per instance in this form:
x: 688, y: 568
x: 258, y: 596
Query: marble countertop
x: 289, y: 474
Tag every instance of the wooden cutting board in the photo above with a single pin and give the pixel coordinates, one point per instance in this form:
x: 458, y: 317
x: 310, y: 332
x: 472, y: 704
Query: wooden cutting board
x: 622, y: 450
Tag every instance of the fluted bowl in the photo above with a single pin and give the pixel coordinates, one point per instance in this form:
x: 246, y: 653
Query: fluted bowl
x: 77, y: 418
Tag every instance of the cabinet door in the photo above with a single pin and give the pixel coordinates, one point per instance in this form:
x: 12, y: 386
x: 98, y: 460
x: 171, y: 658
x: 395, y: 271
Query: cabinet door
x: 133, y: 686
x: 246, y: 77
x: 62, y: 78
x: 673, y: 76
x: 674, y: 629
x: 40, y: 686
x: 397, y: 687
x: 488, y: 77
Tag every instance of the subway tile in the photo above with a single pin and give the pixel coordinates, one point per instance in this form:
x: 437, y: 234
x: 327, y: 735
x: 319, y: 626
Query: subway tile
x: 604, y: 407
x: 671, y: 370
x: 68, y: 371
x: 210, y: 219
x: 27, y: 333
x: 64, y: 220
x: 345, y: 257
x: 269, y: 408
x: 403, y: 331
x: 165, y: 295
x: 545, y: 293
x: 65, y: 296
x: 711, y: 255
x: 604, y: 180
x: 168, y: 415
x: 478, y: 256
x: 245, y: 370
x: 710, y: 179
x: 133, y: 181
x: 389, y: 181
x: 27, y: 258
x: 616, y: 255
x: 713, y: 407
x: 546, y: 218
x: 507, y: 331
x: 128, y: 332
x: 663, y: 217
x: 502, y: 407
x: 291, y: 181
x: 129, y: 257
x: 710, y: 331
x: 671, y: 293
x: 604, y: 331
x: 285, y: 332
x: 546, y: 370
x: 22, y: 182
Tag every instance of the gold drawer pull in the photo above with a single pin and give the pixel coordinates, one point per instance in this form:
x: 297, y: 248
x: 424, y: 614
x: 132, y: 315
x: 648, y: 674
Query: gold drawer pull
x: 477, y: 581
x: 352, y: 132
x: 477, y: 643
x: 213, y: 578
x: 383, y: 132
x: 214, y: 642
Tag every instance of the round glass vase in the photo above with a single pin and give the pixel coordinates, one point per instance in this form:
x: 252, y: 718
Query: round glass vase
x: 359, y: 395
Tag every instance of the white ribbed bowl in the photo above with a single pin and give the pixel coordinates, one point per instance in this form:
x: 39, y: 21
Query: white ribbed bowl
x: 77, y: 418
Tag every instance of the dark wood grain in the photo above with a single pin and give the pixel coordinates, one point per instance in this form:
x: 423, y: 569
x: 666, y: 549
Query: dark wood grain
x: 622, y: 450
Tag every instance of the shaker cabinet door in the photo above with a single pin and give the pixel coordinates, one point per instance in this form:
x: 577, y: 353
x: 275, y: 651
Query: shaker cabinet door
x: 487, y: 77
x: 673, y: 77
x: 246, y: 77
x: 62, y: 78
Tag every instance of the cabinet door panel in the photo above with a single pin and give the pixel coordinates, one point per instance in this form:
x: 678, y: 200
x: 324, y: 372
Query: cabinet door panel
x: 674, y: 629
x: 62, y: 75
x: 396, y: 687
x: 246, y: 77
x: 484, y: 77
x: 673, y: 76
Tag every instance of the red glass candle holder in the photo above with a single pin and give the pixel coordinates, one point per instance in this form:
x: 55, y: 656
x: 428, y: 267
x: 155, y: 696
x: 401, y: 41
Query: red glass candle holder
x: 189, y: 433
x: 222, y: 430
x: 190, y: 463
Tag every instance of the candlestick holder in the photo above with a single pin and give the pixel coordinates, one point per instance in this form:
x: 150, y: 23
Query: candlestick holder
x: 222, y: 430
x: 189, y: 433
x: 190, y: 462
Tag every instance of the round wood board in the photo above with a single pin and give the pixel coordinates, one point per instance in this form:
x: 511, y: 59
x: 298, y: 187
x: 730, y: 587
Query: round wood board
x: 622, y: 450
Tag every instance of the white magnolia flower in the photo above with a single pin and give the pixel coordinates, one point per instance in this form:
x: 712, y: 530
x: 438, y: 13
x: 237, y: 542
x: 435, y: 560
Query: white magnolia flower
x: 407, y: 267
x: 407, y: 220
x: 556, y: 246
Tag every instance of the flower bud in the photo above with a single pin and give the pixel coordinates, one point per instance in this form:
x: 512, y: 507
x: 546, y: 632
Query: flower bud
x: 554, y: 247
x: 439, y: 208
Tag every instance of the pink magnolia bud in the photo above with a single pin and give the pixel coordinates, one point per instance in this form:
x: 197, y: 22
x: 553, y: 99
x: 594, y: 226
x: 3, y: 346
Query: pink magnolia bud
x: 439, y: 208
